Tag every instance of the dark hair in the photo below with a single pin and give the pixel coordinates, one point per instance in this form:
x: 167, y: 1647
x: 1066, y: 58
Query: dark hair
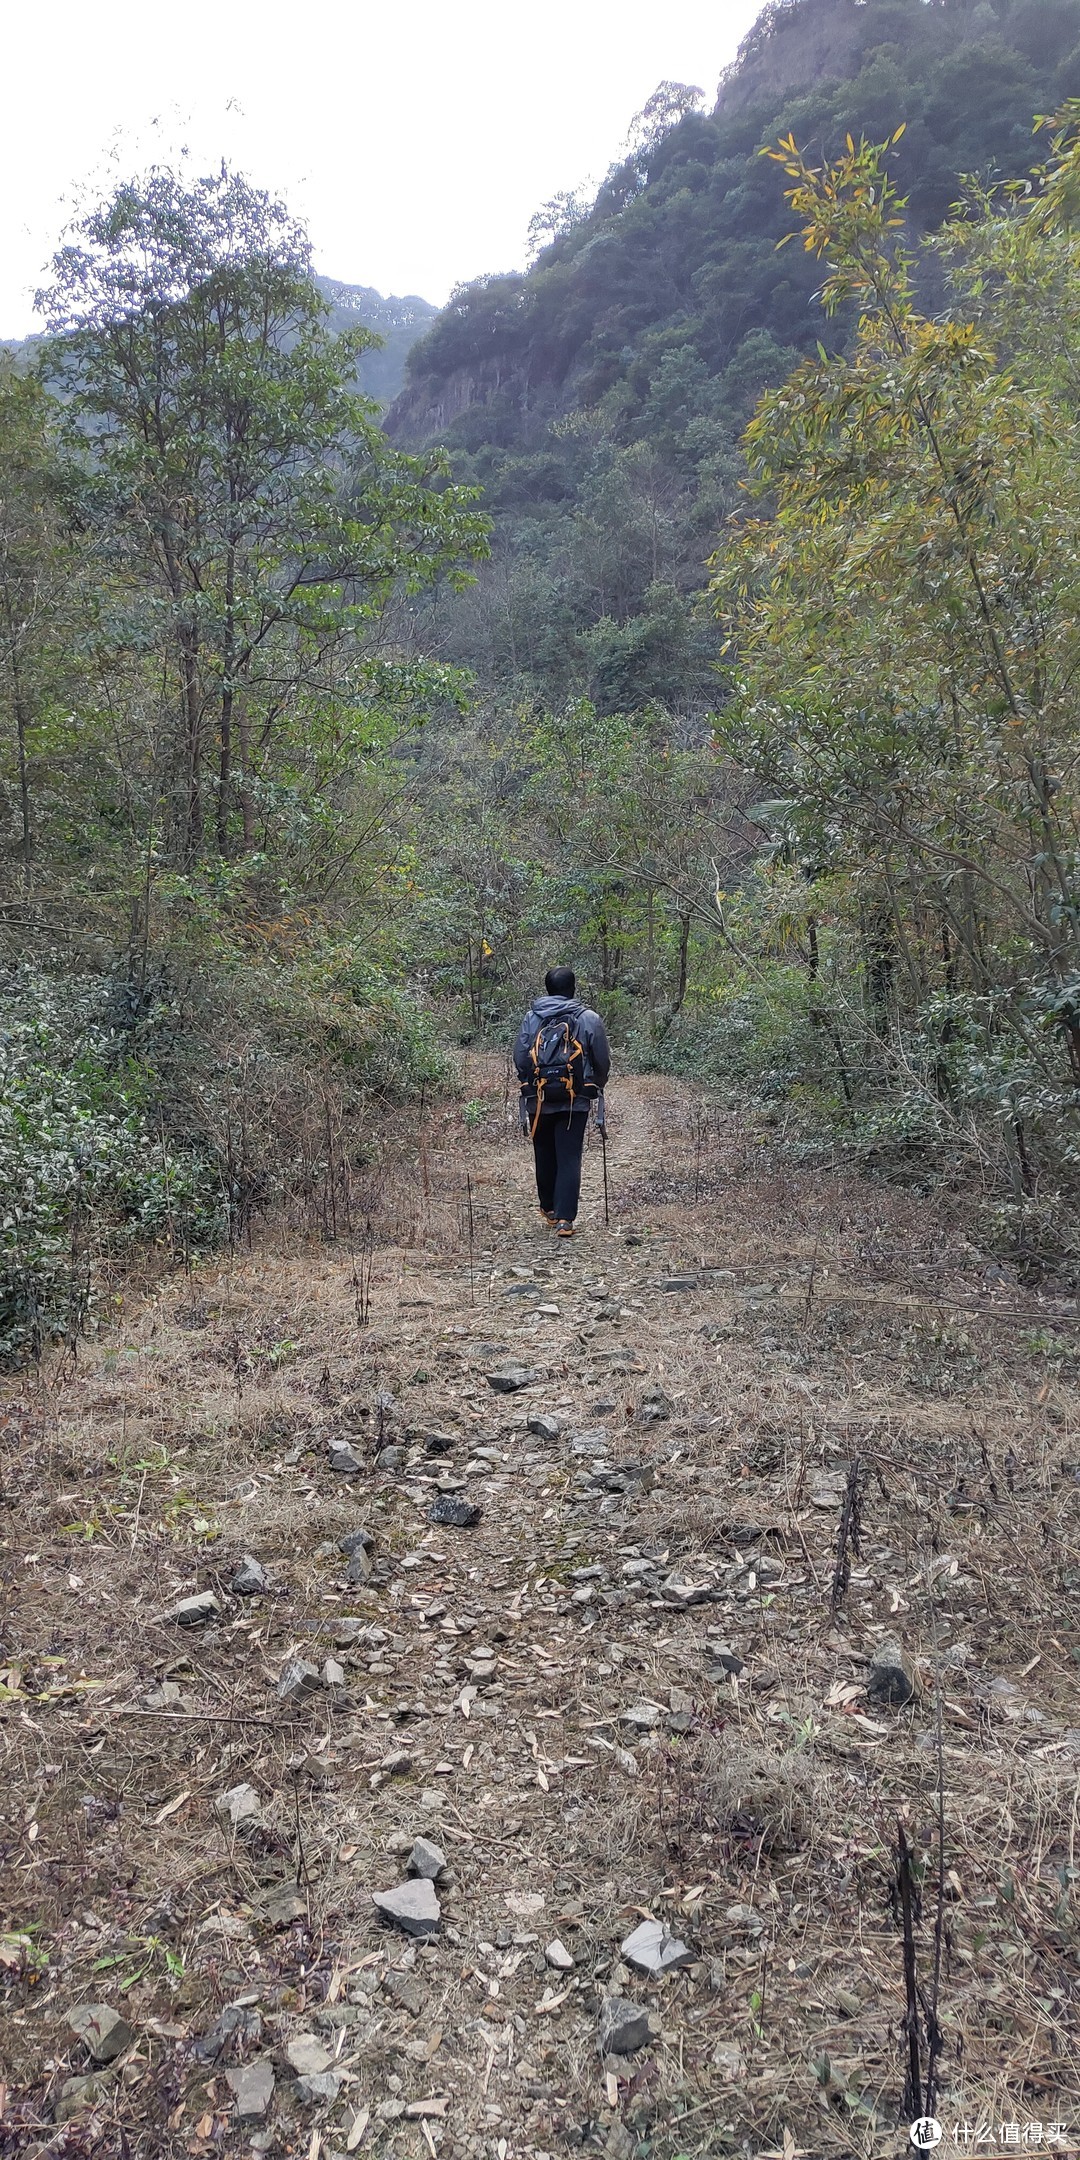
x: 560, y: 982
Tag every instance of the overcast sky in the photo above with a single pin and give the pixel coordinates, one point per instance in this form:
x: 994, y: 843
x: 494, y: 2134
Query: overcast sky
x: 416, y: 139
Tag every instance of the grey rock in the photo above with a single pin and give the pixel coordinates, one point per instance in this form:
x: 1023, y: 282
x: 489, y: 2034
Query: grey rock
x: 252, y: 2089
x: 626, y: 1477
x: 317, y: 2090
x: 235, y: 2028
x: 405, y: 1991
x: 545, y: 1428
x: 306, y: 2055
x: 390, y: 1458
x: 355, y: 1541
x: 643, y: 1716
x: 589, y: 1443
x: 679, y: 1282
x: 166, y: 1697
x: 250, y: 1579
x: 360, y: 1568
x: 624, y: 2026
x: 344, y: 1459
x: 456, y: 1514
x: 558, y: 1956
x: 333, y: 1674
x: 77, y: 2093
x: 438, y: 1443
x: 725, y: 1657
x: 653, y: 1950
x: 298, y: 1679
x: 285, y: 1905
x: 683, y: 1594
x: 889, y: 1681
x: 412, y: 1905
x: 509, y: 1379
x: 241, y: 1806
x: 103, y: 2032
x: 426, y: 1859
x: 194, y: 1611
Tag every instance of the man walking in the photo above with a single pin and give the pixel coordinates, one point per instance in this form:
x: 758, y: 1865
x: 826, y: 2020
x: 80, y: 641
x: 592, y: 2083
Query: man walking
x: 562, y: 1061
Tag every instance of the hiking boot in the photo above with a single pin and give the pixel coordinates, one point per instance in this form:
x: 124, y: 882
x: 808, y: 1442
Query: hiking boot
x: 547, y: 1215
x: 564, y: 1228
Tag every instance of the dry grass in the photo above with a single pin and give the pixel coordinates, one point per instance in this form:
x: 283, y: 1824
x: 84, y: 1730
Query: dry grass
x: 832, y: 1320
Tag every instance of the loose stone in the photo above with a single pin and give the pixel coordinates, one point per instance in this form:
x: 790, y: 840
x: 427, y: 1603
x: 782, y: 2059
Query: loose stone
x: 426, y: 1859
x: 545, y: 1428
x: 889, y: 1680
x: 653, y: 1950
x: 103, y: 2032
x: 624, y: 2026
x: 454, y: 1513
x: 306, y: 2055
x: 344, y: 1459
x: 412, y: 1905
x: 510, y: 1378
x: 298, y: 1680
x: 194, y: 1611
x: 253, y: 2089
x: 250, y: 1579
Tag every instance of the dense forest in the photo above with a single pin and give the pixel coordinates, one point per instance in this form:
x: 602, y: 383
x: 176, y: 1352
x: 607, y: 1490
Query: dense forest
x: 726, y: 647
x: 599, y: 398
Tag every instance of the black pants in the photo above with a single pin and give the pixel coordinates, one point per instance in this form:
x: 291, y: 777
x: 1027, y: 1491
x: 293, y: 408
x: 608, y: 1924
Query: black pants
x: 557, y: 1145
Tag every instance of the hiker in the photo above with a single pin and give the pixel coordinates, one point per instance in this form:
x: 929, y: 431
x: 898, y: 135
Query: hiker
x: 562, y: 1061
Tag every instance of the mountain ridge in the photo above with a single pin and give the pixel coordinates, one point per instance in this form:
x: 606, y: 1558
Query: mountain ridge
x: 398, y: 319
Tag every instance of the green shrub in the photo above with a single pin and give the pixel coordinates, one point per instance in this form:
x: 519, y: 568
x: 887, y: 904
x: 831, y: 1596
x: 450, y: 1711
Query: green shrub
x: 84, y: 1169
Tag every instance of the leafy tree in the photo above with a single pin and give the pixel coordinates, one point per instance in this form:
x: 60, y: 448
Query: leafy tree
x: 255, y: 519
x: 904, y: 621
x: 36, y: 569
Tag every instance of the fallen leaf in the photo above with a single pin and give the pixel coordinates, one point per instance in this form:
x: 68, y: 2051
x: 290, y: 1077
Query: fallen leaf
x: 204, y: 2126
x: 359, y: 2125
x: 433, y: 2045
x: 315, y: 2147
x: 549, y: 2003
x: 427, y: 2110
x: 172, y: 1808
x: 611, y: 2088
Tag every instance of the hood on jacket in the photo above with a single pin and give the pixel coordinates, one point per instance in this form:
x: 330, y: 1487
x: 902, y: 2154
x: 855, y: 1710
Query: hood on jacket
x: 557, y: 1008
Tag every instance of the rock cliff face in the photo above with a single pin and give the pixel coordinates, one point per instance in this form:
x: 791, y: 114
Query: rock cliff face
x: 428, y: 406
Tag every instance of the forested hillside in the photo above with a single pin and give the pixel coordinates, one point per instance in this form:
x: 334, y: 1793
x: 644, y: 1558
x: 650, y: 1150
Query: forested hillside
x: 599, y: 398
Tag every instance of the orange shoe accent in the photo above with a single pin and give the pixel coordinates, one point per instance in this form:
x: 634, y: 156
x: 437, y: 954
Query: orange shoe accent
x: 564, y: 1229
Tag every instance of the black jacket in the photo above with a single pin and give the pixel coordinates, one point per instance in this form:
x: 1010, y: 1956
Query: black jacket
x: 587, y: 1026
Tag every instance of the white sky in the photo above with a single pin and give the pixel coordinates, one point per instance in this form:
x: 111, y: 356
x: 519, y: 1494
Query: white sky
x: 416, y: 137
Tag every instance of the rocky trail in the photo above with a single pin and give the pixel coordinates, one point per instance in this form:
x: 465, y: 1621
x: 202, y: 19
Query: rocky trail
x: 464, y: 1694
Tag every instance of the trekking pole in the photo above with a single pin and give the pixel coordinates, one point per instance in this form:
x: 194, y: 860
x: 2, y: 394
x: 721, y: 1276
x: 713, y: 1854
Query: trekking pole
x: 601, y: 1126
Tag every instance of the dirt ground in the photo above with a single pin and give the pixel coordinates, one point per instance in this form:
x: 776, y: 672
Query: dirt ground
x: 792, y: 1415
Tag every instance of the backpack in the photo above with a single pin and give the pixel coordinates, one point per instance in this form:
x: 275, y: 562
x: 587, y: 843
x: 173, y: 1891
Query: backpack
x: 558, y: 1061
